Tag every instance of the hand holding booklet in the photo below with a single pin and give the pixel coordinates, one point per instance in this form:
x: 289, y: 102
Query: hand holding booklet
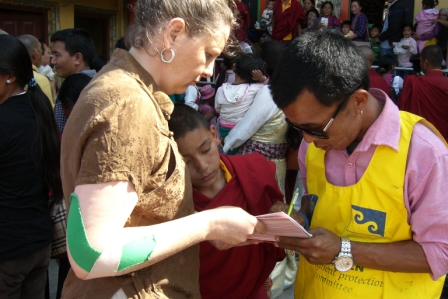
x: 280, y: 224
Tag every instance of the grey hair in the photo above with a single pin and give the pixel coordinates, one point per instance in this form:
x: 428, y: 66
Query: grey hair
x: 200, y: 16
x: 445, y: 10
x: 29, y: 41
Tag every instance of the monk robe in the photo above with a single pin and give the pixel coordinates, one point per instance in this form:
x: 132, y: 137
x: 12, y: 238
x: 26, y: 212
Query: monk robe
x: 427, y: 96
x: 376, y: 81
x: 240, y: 272
x: 285, y: 22
x: 243, y: 21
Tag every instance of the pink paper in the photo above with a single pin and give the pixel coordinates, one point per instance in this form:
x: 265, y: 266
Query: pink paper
x: 280, y: 224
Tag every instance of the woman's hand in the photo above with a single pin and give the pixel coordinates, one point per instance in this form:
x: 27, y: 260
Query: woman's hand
x: 416, y: 36
x: 433, y: 21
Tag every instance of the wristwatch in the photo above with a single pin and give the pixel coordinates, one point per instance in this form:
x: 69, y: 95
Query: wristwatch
x: 344, y: 261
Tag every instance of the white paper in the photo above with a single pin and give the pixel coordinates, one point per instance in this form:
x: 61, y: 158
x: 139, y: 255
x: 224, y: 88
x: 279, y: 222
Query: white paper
x: 324, y: 21
x: 398, y: 49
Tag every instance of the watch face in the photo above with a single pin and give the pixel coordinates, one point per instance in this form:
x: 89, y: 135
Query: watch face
x: 343, y: 263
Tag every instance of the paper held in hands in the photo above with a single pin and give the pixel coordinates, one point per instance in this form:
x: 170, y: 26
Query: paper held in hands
x: 280, y: 224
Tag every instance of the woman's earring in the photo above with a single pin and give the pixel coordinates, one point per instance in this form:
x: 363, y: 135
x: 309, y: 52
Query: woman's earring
x: 361, y: 111
x: 8, y: 81
x: 172, y: 55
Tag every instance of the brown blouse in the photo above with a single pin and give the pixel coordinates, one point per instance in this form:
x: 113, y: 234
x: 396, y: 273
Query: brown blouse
x: 118, y: 131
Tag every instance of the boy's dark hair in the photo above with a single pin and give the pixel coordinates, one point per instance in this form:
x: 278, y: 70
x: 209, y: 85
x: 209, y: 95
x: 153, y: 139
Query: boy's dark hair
x: 415, y: 60
x: 246, y: 63
x: 185, y: 119
x: 76, y: 40
x: 409, y: 25
x: 314, y: 62
x: 434, y: 55
x: 270, y: 52
x: 430, y: 3
x: 385, y: 64
x: 346, y: 23
x: 377, y: 26
x: 71, y: 89
x: 120, y: 44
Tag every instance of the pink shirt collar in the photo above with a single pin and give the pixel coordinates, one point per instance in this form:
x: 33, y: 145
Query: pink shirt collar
x: 386, y: 128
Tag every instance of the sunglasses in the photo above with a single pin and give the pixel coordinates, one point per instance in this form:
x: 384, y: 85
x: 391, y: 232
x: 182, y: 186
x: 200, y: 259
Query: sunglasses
x: 322, y: 134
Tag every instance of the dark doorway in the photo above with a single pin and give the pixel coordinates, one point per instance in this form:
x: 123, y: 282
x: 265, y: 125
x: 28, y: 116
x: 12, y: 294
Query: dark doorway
x: 375, y: 9
x: 98, y: 27
x: 24, y: 21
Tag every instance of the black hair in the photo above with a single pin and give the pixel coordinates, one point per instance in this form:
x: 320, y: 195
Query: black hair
x: 98, y: 62
x: 346, y: 22
x: 76, y: 40
x: 385, y: 64
x: 246, y: 63
x: 270, y: 52
x: 120, y: 44
x: 325, y: 3
x: 16, y: 61
x: 377, y: 26
x: 323, y: 62
x: 359, y: 2
x: 313, y: 1
x: 430, y: 3
x: 42, y: 45
x: 432, y: 53
x: 409, y: 25
x: 71, y: 89
x: 184, y: 120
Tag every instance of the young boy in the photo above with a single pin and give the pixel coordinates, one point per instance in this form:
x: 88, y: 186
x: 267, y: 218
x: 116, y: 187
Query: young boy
x: 346, y: 28
x: 374, y: 33
x: 409, y: 45
x: 245, y: 181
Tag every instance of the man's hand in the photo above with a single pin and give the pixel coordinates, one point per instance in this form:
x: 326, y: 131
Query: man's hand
x: 282, y: 207
x: 322, y: 248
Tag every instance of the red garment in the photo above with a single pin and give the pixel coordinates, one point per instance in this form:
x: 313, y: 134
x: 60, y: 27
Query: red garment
x: 376, y: 81
x: 240, y: 272
x: 427, y: 96
x: 286, y: 22
x: 243, y: 21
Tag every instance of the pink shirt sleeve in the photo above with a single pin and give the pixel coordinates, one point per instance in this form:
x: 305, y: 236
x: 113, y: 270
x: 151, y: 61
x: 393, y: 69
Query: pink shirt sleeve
x: 425, y: 196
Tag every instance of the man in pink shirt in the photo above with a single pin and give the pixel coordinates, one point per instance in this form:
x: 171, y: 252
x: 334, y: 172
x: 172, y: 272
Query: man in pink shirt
x: 375, y: 179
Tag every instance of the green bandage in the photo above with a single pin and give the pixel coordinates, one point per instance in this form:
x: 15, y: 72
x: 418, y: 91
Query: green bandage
x: 132, y: 253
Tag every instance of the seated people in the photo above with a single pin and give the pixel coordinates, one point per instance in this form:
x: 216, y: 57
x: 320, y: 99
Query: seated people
x: 247, y: 182
x: 427, y: 96
x: 376, y: 81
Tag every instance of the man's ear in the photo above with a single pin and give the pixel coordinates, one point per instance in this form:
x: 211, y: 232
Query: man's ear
x: 174, y: 27
x: 214, y: 133
x: 78, y: 58
x: 361, y: 99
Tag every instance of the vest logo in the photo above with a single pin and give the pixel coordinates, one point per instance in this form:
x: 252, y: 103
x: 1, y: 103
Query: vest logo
x: 367, y: 221
x: 313, y: 202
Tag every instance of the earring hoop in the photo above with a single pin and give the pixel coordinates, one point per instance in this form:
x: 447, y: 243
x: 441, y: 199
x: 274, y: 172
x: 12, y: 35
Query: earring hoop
x: 172, y: 55
x: 8, y: 81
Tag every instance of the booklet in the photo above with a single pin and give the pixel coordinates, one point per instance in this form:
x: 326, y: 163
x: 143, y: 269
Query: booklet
x: 280, y: 224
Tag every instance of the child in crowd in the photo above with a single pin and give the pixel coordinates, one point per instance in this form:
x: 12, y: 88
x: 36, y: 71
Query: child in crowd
x: 245, y: 181
x: 233, y: 100
x: 423, y: 20
x: 266, y: 19
x: 374, y: 33
x: 70, y: 91
x: 193, y: 99
x: 386, y: 67
x: 346, y: 28
x: 409, y: 46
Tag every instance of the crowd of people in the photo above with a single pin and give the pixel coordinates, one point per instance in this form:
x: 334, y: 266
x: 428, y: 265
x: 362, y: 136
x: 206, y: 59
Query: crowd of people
x: 154, y: 179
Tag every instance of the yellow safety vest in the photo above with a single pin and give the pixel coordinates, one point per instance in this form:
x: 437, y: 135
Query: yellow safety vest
x: 372, y: 210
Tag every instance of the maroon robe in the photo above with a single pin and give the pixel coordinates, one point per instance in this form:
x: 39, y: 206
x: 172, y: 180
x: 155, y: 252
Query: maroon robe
x: 243, y: 21
x: 427, y: 96
x: 376, y: 81
x: 286, y: 22
x: 240, y: 272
